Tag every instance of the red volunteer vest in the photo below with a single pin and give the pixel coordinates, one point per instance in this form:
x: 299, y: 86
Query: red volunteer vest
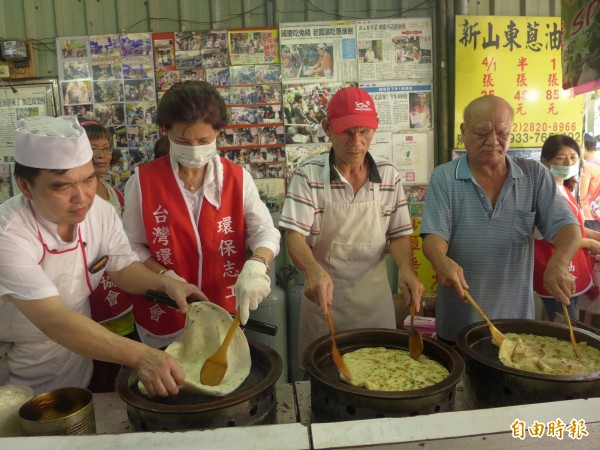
x: 580, y: 267
x: 107, y: 301
x: 173, y: 242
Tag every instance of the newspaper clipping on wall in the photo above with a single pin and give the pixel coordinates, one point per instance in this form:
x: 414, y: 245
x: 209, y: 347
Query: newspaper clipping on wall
x: 401, y: 105
x: 18, y: 103
x: 253, y: 46
x: 318, y: 51
x: 408, y: 152
x: 394, y: 49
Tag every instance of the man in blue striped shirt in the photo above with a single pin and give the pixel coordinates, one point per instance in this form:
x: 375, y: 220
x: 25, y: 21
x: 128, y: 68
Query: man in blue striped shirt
x: 480, y: 213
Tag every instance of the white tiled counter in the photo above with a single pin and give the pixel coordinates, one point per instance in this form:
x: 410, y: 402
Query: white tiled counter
x: 490, y: 429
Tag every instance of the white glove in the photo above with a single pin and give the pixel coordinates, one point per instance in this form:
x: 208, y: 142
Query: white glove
x: 253, y: 285
x: 172, y: 274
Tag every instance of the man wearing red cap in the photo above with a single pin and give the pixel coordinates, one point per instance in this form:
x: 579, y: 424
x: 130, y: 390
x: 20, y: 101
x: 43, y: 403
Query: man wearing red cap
x: 343, y: 210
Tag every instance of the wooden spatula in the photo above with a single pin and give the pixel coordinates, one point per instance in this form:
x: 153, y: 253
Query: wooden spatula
x: 497, y: 336
x: 415, y: 340
x: 335, y: 353
x: 214, y: 368
x: 568, y: 318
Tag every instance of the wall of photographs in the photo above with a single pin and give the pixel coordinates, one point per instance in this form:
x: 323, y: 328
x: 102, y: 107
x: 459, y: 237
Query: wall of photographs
x: 276, y: 83
x: 111, y: 78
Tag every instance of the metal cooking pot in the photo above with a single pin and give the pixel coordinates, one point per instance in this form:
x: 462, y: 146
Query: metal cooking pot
x: 333, y: 400
x: 62, y: 411
x: 254, y: 402
x: 489, y: 383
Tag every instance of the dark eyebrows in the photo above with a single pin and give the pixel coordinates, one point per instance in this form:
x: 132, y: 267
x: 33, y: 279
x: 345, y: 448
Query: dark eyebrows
x: 59, y: 184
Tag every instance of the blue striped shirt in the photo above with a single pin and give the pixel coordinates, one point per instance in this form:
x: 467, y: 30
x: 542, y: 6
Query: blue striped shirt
x: 493, y: 244
x: 304, y: 204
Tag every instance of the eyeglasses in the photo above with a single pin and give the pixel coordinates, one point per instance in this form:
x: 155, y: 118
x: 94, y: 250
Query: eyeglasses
x: 102, y: 151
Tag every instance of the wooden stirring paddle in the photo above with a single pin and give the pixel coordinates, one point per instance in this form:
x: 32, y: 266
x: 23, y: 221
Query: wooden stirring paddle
x: 335, y: 353
x: 415, y: 340
x: 568, y: 318
x: 497, y: 336
x: 214, y: 368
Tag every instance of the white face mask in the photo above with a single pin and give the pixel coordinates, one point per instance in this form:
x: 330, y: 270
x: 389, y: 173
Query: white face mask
x: 564, y: 172
x: 573, y: 171
x: 193, y: 155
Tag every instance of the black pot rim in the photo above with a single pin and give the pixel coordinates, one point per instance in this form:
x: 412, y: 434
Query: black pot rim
x: 349, y: 340
x: 260, y: 354
x: 465, y: 339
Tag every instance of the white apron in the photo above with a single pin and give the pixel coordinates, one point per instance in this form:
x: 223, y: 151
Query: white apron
x: 37, y: 361
x: 351, y: 249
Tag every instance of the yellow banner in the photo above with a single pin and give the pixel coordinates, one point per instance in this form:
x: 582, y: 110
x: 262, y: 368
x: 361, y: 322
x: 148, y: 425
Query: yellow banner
x: 423, y: 267
x: 518, y: 59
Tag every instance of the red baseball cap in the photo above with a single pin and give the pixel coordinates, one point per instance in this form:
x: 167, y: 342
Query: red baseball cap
x: 352, y: 107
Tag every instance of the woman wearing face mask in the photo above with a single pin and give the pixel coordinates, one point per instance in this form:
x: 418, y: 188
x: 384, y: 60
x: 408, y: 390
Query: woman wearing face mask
x: 192, y: 215
x: 561, y: 154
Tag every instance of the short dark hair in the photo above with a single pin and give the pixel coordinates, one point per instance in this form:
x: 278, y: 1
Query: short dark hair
x: 189, y: 102
x: 95, y: 130
x: 30, y: 174
x: 162, y: 147
x: 552, y: 145
x: 589, y: 142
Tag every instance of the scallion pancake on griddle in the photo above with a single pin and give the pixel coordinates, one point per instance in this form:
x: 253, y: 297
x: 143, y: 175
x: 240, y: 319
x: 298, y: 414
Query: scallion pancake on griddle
x: 385, y: 369
x: 206, y: 325
x: 548, y: 355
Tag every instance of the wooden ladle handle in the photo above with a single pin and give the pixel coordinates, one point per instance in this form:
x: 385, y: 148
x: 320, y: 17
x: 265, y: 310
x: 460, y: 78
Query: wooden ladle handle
x: 476, y: 306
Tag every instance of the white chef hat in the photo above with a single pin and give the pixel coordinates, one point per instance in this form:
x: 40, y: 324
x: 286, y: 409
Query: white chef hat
x: 55, y: 143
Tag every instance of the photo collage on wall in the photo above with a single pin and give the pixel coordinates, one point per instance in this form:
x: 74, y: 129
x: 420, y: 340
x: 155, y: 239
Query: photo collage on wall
x: 276, y: 84
x: 255, y: 136
x: 110, y: 78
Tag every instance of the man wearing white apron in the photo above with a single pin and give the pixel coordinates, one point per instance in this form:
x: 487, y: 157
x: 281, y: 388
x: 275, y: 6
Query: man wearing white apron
x: 56, y: 245
x: 343, y: 210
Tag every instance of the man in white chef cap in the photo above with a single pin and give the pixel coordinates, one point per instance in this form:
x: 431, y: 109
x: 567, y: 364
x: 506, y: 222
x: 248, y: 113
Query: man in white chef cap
x: 56, y: 243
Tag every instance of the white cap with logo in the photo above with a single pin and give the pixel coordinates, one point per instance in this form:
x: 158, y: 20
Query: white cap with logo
x: 54, y: 143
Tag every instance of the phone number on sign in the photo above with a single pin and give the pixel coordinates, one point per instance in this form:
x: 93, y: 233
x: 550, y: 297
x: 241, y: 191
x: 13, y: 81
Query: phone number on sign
x: 540, y: 138
x: 543, y: 127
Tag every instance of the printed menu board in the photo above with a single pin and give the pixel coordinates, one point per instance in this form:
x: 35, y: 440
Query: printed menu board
x: 518, y: 59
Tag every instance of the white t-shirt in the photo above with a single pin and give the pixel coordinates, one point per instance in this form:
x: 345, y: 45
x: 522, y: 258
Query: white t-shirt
x: 22, y: 276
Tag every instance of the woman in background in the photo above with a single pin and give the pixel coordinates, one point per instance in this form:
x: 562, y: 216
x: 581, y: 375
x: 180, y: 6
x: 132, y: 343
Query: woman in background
x: 561, y: 155
x: 109, y: 305
x: 589, y: 187
x: 101, y: 141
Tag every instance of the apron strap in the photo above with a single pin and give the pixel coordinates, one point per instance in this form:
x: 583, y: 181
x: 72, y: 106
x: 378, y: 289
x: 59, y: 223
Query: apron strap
x: 327, y: 181
x: 79, y: 243
x: 327, y: 184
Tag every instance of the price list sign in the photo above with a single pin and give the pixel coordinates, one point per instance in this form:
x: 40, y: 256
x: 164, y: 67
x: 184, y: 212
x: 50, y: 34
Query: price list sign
x: 518, y: 59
